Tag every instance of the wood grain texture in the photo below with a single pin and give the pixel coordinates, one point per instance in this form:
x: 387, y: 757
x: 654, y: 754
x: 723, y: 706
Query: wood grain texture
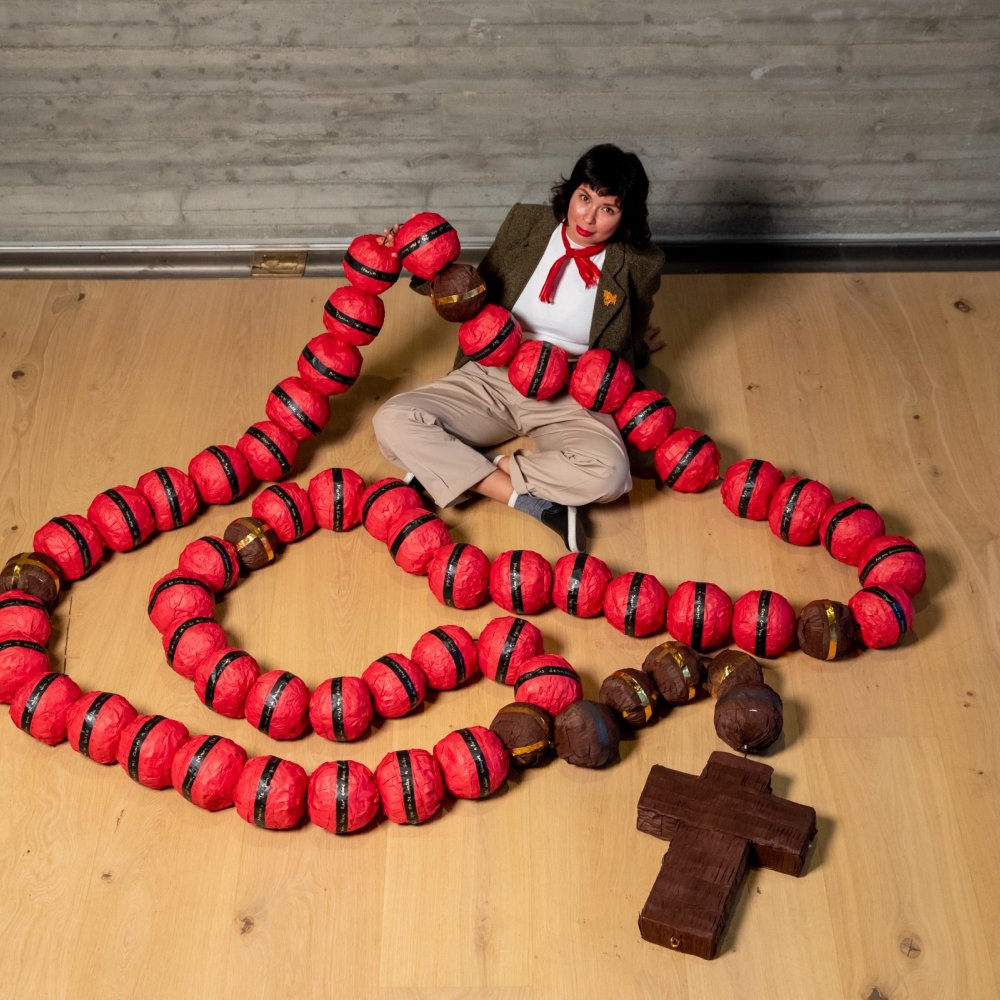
x: 313, y: 121
x: 883, y: 386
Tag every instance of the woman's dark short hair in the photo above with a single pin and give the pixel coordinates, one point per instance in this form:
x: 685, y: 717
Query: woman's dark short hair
x: 612, y: 172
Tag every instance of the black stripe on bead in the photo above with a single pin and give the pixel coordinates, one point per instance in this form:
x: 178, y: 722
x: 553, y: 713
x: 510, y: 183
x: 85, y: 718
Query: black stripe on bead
x: 355, y: 324
x: 271, y: 446
x: 632, y: 602
x: 81, y: 543
x: 406, y: 786
x: 137, y: 741
x: 686, y: 459
x: 178, y: 634
x: 417, y: 522
x: 393, y: 484
x: 296, y: 410
x: 291, y: 506
x: 90, y: 719
x: 453, y: 651
x: 540, y: 368
x: 575, y: 577
x: 698, y: 616
x: 889, y: 550
x: 31, y: 705
x: 271, y: 701
x: 22, y: 644
x: 837, y: 518
x: 22, y: 602
x: 514, y: 578
x: 217, y: 672
x: 194, y: 765
x: 748, y: 486
x: 644, y: 414
x: 552, y: 671
x: 227, y: 469
x: 176, y: 581
x: 606, y: 379
x: 370, y: 272
x: 263, y: 790
x: 763, y: 613
x: 423, y: 239
x: 343, y: 796
x: 228, y: 566
x: 337, y: 709
x: 127, y: 513
x: 404, y: 678
x: 173, y: 500
x: 450, y: 571
x: 337, y: 481
x: 894, y: 606
x: 509, y: 645
x: 321, y: 369
x: 479, y: 759
x: 485, y: 352
x: 790, y: 504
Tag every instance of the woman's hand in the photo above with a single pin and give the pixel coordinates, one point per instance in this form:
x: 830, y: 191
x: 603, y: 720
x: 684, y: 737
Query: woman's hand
x: 653, y: 338
x: 388, y: 237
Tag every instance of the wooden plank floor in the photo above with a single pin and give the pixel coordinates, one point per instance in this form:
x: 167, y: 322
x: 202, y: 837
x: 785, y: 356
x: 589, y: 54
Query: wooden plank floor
x: 882, y: 386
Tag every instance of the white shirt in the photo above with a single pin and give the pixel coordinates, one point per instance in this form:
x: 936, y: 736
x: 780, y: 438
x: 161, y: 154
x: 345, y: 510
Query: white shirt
x: 566, y: 320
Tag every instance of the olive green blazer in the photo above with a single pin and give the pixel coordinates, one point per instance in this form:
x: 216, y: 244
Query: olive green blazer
x: 630, y: 278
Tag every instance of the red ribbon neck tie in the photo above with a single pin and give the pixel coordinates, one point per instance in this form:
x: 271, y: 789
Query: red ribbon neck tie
x: 589, y: 271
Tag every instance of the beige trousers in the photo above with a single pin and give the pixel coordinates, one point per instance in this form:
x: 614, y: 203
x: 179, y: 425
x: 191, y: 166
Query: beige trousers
x: 436, y: 432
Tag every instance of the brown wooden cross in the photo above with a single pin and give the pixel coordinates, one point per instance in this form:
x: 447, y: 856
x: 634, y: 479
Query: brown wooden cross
x: 717, y: 823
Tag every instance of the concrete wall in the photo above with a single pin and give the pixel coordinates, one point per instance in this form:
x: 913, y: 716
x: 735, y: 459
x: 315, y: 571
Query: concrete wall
x: 313, y: 120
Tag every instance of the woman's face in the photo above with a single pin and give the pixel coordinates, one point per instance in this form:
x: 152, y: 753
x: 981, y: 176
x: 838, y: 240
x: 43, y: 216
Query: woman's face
x: 592, y: 218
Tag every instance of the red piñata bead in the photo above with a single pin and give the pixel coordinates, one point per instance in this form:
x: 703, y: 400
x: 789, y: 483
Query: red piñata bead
x: 24, y: 614
x: 892, y: 559
x: 687, y: 461
x: 749, y: 486
x: 370, y: 265
x: 490, y: 338
x: 73, y: 542
x: 459, y: 575
x: 549, y: 682
x: 221, y: 474
x: 95, y: 723
x: 328, y: 365
x: 763, y: 623
x: 601, y: 381
x: 797, y: 507
x: 343, y: 796
x: 426, y: 244
x: 353, y: 316
x: 189, y: 641
x: 335, y: 495
x: 205, y: 770
x: 287, y: 509
x: 271, y: 793
x: 396, y: 683
x: 22, y: 659
x: 147, y: 746
x: 40, y: 707
x: 539, y: 370
x: 646, y: 419
x: 213, y: 559
x: 700, y: 614
x: 278, y: 705
x: 414, y: 536
x: 179, y: 595
x: 411, y: 786
x: 223, y: 679
x: 847, y: 527
x: 446, y: 655
x: 521, y: 581
x: 269, y: 449
x: 474, y: 762
x: 504, y: 645
x: 295, y: 407
x: 579, y: 583
x: 341, y: 708
x: 884, y: 614
x: 636, y: 604
x: 123, y: 517
x: 383, y: 502
x: 171, y: 495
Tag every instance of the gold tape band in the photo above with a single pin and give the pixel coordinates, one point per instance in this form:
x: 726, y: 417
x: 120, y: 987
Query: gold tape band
x: 685, y: 673
x: 831, y: 618
x: 28, y: 561
x: 530, y: 748
x: 447, y: 300
x: 255, y: 533
x: 647, y: 707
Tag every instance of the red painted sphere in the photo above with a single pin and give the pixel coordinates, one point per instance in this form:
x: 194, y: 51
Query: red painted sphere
x: 40, y: 707
x: 579, y: 583
x: 490, y: 338
x: 278, y: 705
x: 147, y: 746
x: 414, y: 537
x: 601, y: 381
x: 189, y: 641
x: 539, y: 370
x: 213, y: 559
x: 340, y: 709
x: 763, y: 623
x: 505, y: 645
x: 383, y: 502
x: 343, y: 796
x: 700, y: 614
x: 426, y: 244
x: 797, y: 507
x: 521, y: 581
x: 328, y: 365
x: 287, y: 509
x: 179, y: 595
x: 335, y: 495
x: 172, y: 496
x: 687, y: 461
x: 636, y: 604
x: 847, y: 527
x: 22, y: 659
x: 24, y: 614
x: 446, y: 655
x: 221, y: 474
x: 396, y: 683
x: 411, y: 786
x: 205, y: 770
x: 892, y: 559
x: 370, y: 265
x: 474, y: 762
x: 749, y: 486
x: 73, y: 542
x: 884, y: 614
x: 271, y: 793
x: 353, y: 316
x: 269, y: 449
x: 646, y: 419
x: 549, y: 682
x: 293, y: 406
x: 459, y: 575
x: 123, y: 517
x: 223, y: 679
x: 95, y: 723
